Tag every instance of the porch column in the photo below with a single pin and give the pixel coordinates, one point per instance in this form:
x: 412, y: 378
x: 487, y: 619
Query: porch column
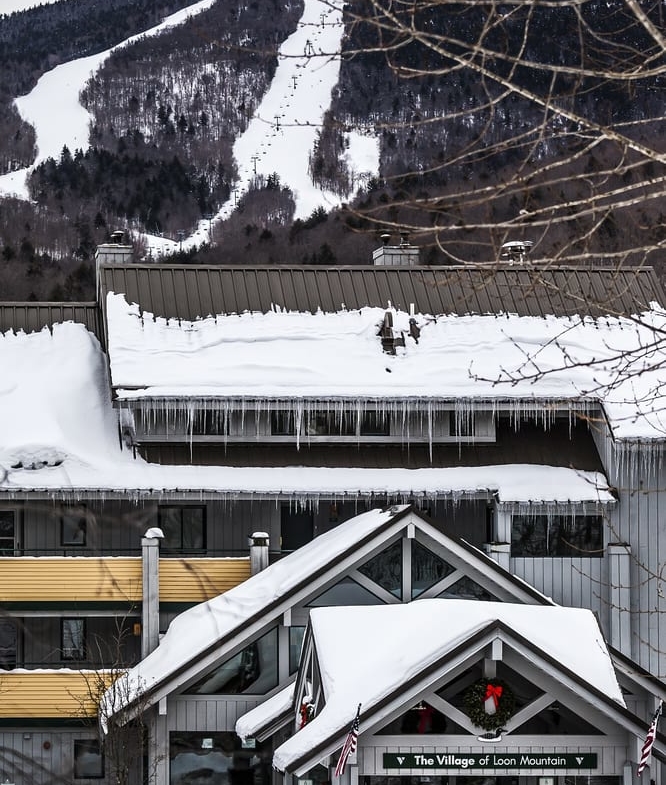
x: 150, y: 608
x: 258, y: 552
x: 619, y: 596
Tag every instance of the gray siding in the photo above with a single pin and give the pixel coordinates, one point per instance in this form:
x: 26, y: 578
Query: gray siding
x: 210, y: 713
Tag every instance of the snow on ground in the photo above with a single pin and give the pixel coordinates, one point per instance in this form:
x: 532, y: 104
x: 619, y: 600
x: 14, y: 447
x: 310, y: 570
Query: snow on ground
x: 281, y: 354
x: 362, y: 660
x: 278, y: 139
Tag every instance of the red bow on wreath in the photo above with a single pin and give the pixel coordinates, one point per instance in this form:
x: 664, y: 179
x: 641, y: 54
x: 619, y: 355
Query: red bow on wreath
x: 493, y: 691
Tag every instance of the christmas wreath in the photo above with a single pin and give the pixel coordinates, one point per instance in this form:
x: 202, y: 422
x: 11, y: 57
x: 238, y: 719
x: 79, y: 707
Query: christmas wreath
x: 489, y: 703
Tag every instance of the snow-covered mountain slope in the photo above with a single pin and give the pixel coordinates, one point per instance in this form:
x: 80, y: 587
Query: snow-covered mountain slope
x: 278, y: 140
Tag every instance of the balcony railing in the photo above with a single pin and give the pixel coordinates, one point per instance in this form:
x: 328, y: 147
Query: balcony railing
x: 117, y: 580
x: 55, y: 694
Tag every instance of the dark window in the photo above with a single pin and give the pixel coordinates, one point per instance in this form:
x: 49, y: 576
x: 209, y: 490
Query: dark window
x: 557, y: 535
x: 375, y: 424
x: 219, y: 758
x: 427, y: 569
x: 73, y: 639
x: 8, y: 643
x: 253, y: 670
x: 295, y: 646
x: 386, y: 569
x: 283, y: 424
x: 88, y: 759
x: 462, y: 427
x: 296, y: 528
x: 73, y: 526
x: 184, y: 528
x: 209, y: 423
x: 345, y: 592
x: 329, y: 424
x: 467, y: 589
x: 7, y: 532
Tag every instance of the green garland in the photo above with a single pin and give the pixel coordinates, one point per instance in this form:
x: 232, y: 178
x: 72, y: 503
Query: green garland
x: 474, y: 704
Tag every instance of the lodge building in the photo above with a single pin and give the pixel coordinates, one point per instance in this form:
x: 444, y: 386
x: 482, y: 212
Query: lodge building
x: 205, y: 463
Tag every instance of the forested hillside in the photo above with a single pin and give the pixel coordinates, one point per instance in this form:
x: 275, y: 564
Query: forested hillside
x: 538, y: 121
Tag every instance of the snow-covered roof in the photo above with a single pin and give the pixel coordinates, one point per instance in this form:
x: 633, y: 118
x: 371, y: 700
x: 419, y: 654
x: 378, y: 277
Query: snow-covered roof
x: 256, y: 720
x: 363, y: 660
x: 195, y: 631
x: 60, y: 435
x: 280, y: 354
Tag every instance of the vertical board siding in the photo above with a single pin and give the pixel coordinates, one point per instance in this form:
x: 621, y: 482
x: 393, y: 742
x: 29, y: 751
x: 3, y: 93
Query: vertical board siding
x: 44, y: 756
x: 209, y: 713
x: 573, y: 582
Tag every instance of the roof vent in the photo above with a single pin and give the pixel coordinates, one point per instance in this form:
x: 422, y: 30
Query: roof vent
x: 515, y: 251
x: 401, y: 255
x: 390, y: 338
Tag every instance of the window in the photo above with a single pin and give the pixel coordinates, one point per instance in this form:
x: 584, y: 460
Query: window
x: 296, y: 528
x: 283, y: 424
x: 557, y: 535
x: 386, y: 569
x: 184, y: 528
x: 210, y: 423
x: 73, y: 526
x: 329, y: 424
x: 375, y: 424
x: 206, y: 758
x: 7, y: 532
x: 8, y: 643
x: 295, y: 645
x: 332, y: 423
x: 427, y: 569
x: 73, y: 639
x: 253, y: 670
x: 88, y: 759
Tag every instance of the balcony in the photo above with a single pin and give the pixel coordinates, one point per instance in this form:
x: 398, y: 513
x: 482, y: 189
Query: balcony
x: 31, y: 583
x: 51, y: 695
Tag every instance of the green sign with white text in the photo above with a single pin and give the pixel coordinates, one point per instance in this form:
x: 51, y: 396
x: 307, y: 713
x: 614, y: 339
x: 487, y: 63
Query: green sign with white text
x: 492, y: 760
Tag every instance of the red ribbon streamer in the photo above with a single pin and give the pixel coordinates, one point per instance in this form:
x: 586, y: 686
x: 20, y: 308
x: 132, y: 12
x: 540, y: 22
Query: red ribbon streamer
x: 493, y: 691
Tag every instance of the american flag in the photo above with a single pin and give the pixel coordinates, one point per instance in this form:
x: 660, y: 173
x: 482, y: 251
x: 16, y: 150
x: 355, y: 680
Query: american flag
x: 649, y: 740
x: 350, y: 744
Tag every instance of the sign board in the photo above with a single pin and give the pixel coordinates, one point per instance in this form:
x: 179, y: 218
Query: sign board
x: 492, y: 760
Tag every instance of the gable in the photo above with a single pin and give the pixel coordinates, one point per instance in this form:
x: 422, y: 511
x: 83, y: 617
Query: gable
x: 432, y: 653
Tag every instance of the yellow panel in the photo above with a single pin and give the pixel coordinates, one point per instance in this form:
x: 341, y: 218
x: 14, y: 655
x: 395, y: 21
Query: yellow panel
x: 55, y: 694
x: 196, y: 580
x: 72, y: 579
x: 115, y: 579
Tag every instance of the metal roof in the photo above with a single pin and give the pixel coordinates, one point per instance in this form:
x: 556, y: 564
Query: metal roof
x: 33, y: 317
x: 189, y: 292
